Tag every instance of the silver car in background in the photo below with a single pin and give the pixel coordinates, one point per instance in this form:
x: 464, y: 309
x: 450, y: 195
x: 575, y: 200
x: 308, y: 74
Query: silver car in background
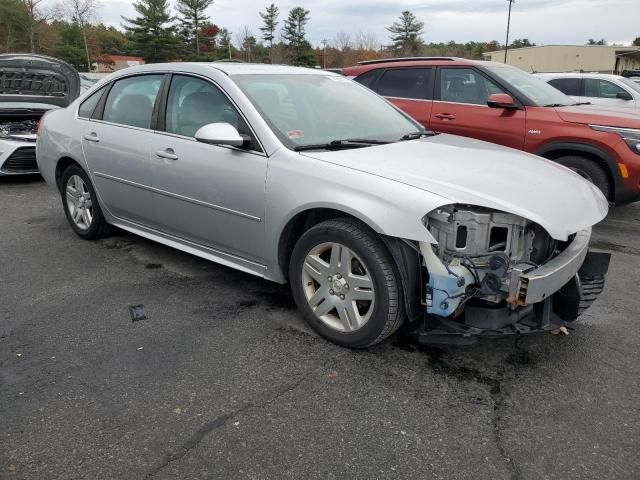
x: 303, y: 176
x: 596, y: 88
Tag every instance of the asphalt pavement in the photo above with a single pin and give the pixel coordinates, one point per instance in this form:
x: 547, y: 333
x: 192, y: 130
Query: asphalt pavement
x: 223, y: 380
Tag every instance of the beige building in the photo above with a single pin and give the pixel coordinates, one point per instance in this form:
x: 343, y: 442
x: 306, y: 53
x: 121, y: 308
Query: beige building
x: 570, y: 58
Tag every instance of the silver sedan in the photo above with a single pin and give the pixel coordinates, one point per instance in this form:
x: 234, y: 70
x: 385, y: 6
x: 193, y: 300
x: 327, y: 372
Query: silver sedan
x: 303, y: 176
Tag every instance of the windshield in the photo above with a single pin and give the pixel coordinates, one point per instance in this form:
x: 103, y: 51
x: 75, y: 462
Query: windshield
x: 634, y: 85
x: 305, y: 110
x: 535, y: 89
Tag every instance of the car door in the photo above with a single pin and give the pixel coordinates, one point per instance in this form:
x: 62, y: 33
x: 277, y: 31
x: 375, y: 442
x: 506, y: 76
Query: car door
x: 208, y: 194
x: 116, y: 144
x: 603, y: 92
x: 410, y: 89
x: 460, y: 108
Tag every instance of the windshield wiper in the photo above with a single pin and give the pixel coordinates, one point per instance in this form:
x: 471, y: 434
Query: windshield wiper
x: 555, y: 105
x: 581, y: 103
x: 340, y: 144
x: 415, y: 135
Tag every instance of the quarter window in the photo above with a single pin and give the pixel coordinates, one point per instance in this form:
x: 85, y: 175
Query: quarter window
x: 405, y: 83
x: 601, y: 88
x: 130, y: 101
x: 568, y: 86
x: 466, y: 85
x: 368, y: 78
x: 89, y: 105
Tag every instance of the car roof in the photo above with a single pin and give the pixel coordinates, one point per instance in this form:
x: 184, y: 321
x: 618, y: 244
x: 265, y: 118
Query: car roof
x: 233, y: 68
x: 228, y: 68
x: 604, y: 76
x: 363, y: 67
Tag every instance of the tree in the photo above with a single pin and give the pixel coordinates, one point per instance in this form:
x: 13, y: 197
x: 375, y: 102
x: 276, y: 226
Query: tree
x: 591, y: 41
x: 33, y: 9
x: 521, y: 43
x: 16, y: 26
x: 636, y: 42
x: 73, y: 55
x: 82, y: 12
x: 300, y: 51
x: 270, y: 22
x: 225, y: 41
x: 193, y: 17
x: 209, y: 36
x: 247, y: 42
x: 406, y: 34
x: 342, y: 41
x: 152, y: 31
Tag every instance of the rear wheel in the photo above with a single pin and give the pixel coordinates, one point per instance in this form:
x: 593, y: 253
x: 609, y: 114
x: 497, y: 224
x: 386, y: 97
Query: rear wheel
x: 345, y: 283
x: 589, y: 170
x: 81, y: 204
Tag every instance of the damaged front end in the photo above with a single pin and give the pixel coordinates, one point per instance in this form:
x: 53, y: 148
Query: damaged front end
x: 493, y: 273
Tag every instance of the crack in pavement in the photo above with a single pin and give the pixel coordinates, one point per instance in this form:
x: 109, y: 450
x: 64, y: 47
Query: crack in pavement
x: 221, y: 420
x: 496, y: 393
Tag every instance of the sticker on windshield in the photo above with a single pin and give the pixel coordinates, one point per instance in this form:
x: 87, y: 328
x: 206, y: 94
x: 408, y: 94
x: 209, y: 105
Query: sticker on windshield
x: 295, y: 134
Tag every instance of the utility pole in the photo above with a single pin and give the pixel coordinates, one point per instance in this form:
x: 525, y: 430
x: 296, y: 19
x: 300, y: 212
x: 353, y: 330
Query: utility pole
x: 506, y: 45
x: 324, y: 55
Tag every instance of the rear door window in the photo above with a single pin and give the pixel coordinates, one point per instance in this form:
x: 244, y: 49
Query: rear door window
x: 406, y: 83
x: 568, y: 86
x: 131, y: 100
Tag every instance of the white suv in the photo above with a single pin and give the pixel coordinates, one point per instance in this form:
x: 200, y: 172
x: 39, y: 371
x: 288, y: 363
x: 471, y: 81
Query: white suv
x: 596, y: 88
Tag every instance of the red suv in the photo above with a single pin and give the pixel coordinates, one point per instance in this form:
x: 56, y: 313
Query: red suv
x: 502, y: 104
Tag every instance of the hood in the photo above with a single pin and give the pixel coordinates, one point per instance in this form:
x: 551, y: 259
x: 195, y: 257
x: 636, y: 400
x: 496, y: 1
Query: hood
x: 468, y: 171
x: 600, y: 115
x: 28, y: 78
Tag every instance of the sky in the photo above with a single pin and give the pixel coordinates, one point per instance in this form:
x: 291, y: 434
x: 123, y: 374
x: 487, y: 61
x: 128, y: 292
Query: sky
x: 541, y: 21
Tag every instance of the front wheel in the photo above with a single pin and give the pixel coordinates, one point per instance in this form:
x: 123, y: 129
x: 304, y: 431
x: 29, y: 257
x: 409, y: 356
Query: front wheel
x: 589, y: 170
x: 345, y: 283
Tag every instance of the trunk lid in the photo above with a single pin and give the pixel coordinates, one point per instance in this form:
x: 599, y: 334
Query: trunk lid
x: 28, y: 80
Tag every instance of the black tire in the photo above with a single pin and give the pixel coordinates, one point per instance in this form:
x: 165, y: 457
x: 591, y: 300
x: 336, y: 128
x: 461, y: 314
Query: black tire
x: 387, y: 313
x: 589, y: 170
x: 98, y: 227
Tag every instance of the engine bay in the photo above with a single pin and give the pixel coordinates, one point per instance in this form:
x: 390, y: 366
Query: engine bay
x: 477, y: 250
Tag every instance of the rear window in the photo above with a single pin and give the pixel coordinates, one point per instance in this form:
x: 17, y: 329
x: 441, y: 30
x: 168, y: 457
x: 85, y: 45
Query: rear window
x: 568, y: 86
x: 405, y: 83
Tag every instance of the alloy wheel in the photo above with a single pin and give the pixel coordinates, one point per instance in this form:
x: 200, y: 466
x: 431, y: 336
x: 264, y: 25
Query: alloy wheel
x: 338, y: 287
x: 79, y: 202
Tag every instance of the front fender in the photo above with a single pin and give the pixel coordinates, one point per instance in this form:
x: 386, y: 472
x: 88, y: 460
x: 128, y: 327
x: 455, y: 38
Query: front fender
x: 297, y: 184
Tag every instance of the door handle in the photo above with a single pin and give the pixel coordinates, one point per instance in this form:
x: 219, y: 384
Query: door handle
x: 167, y: 153
x: 445, y: 116
x: 92, y: 137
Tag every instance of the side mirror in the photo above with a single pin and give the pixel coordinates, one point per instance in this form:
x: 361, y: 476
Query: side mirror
x: 501, y: 100
x: 220, y: 134
x: 624, y: 96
